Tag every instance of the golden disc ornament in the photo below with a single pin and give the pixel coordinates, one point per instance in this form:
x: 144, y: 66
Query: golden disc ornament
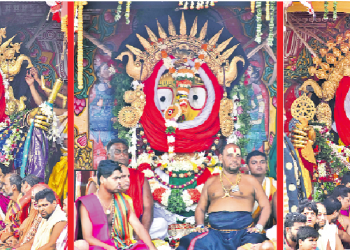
x: 128, y: 117
x: 303, y: 107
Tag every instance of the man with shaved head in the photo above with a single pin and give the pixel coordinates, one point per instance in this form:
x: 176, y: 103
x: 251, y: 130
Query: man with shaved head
x: 229, y: 200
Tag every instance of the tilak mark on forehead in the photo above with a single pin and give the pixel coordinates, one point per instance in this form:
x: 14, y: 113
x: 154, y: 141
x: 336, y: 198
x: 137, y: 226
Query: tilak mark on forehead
x: 234, y: 151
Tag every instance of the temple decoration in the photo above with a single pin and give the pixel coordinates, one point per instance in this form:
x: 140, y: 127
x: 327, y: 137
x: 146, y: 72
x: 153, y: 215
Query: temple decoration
x: 119, y: 11
x: 322, y: 140
x: 82, y: 150
x: 270, y: 13
x: 11, y: 65
x: 80, y: 5
x: 206, y: 52
x: 179, y: 107
x: 196, y: 5
x: 332, y: 64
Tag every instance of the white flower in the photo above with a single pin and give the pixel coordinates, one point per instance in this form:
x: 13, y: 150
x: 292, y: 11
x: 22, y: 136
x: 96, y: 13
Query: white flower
x: 171, y: 149
x: 165, y: 197
x: 171, y: 139
x: 111, y: 70
x: 154, y: 184
x: 216, y: 170
x: 165, y: 157
x: 200, y: 188
x: 169, y: 123
x: 187, y: 198
x: 168, y: 63
x: 148, y: 173
x: 322, y: 169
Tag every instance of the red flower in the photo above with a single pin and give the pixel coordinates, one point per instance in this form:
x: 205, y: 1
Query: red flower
x: 316, y: 150
x: 144, y: 166
x: 157, y: 194
x: 195, y: 195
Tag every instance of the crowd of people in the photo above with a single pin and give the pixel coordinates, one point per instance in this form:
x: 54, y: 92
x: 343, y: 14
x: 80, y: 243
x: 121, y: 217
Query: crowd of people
x: 321, y: 225
x: 32, y: 216
x: 118, y: 209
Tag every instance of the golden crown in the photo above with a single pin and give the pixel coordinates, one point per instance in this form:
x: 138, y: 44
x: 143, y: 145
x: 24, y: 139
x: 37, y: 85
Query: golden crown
x: 182, y: 46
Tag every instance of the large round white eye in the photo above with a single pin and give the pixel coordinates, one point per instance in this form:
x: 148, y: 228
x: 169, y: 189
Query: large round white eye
x: 197, y: 97
x: 165, y: 97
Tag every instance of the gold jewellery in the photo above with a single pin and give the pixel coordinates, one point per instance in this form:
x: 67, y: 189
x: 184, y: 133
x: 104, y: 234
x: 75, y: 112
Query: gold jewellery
x: 106, y: 208
x: 226, y: 121
x: 234, y: 188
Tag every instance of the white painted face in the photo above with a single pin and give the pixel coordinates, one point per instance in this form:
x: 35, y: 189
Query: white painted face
x: 234, y: 151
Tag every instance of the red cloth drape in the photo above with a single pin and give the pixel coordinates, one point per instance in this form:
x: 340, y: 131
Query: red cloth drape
x: 341, y: 120
x: 195, y: 139
x: 135, y: 190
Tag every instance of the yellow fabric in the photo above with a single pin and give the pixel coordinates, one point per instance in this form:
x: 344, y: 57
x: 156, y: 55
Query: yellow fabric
x: 272, y: 192
x: 58, y: 179
x: 306, y: 176
x: 9, y: 208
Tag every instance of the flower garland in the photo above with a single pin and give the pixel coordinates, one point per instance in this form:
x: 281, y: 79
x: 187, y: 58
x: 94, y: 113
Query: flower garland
x: 158, y: 179
x: 10, y: 144
x: 118, y: 12
x: 258, y: 22
x: 241, y: 118
x: 80, y: 79
x: 200, y: 5
x: 252, y: 6
x: 271, y: 23
x: 341, y: 152
x: 335, y: 10
x: 53, y: 132
x: 5, y: 124
x: 127, y: 12
x: 325, y: 14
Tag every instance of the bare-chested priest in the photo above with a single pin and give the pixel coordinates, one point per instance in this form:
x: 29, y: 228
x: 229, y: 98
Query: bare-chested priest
x: 229, y: 200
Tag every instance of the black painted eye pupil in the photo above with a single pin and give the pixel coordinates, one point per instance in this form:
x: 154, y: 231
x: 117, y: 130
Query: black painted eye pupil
x: 195, y: 97
x: 162, y: 99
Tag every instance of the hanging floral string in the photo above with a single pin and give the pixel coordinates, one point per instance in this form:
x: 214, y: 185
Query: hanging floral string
x: 271, y: 24
x: 252, y: 6
x: 127, y: 12
x: 118, y: 11
x: 325, y: 15
x: 80, y: 6
x: 335, y: 16
x: 258, y: 22
x: 196, y: 5
x: 267, y: 10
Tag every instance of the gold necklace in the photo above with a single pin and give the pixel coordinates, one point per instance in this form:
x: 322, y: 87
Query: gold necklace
x: 234, y: 188
x: 107, y: 209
